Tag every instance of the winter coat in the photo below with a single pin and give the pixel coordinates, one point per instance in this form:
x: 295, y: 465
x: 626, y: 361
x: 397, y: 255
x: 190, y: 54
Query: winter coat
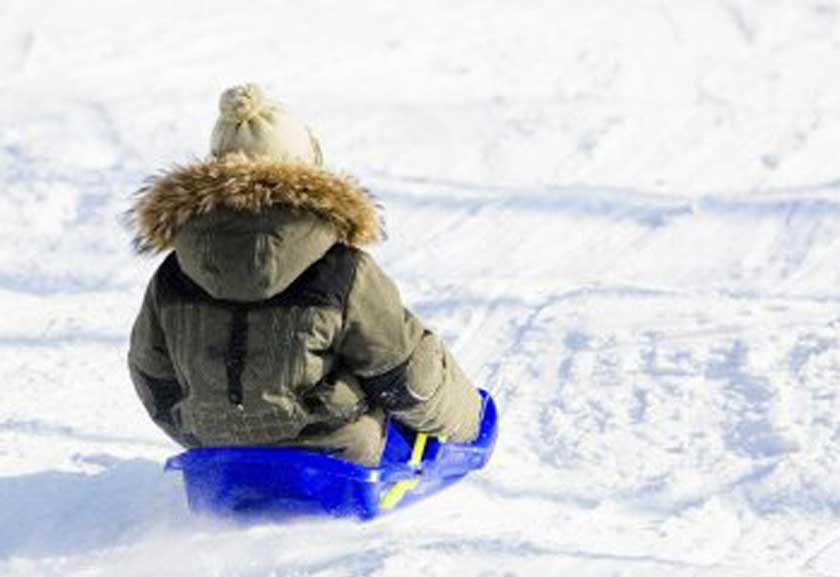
x: 269, y: 325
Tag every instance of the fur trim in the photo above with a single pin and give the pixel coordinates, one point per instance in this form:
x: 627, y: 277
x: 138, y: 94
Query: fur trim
x: 235, y: 182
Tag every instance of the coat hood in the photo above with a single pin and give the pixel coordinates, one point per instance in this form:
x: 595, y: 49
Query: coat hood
x: 245, y: 229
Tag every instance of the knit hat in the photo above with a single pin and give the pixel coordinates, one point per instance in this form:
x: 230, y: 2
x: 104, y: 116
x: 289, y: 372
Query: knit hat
x: 252, y: 125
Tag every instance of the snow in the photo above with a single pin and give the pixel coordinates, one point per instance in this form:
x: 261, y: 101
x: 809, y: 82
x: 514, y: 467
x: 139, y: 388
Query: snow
x: 622, y: 216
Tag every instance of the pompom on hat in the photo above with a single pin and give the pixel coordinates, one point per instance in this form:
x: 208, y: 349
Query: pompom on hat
x: 252, y: 125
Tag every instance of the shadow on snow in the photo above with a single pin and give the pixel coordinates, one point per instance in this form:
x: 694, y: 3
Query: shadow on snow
x: 58, y: 513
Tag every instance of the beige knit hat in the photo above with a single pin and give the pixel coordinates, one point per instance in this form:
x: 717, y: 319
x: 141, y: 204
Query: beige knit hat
x: 252, y: 125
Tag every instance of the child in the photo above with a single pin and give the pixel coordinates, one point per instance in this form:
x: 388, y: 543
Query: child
x: 267, y: 324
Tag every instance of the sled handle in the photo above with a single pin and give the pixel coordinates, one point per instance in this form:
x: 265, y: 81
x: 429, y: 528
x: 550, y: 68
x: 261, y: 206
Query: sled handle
x: 399, y: 489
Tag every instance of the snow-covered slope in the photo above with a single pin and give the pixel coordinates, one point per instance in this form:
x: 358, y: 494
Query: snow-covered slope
x: 624, y: 218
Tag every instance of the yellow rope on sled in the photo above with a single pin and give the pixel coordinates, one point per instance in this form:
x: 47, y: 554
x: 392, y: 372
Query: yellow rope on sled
x: 398, y: 490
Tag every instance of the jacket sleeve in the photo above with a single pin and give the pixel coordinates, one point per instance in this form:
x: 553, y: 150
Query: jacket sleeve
x: 150, y: 366
x: 403, y: 367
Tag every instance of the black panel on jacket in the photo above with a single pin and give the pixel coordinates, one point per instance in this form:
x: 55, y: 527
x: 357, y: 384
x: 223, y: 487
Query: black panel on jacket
x: 326, y: 282
x: 165, y: 393
x: 235, y: 356
x: 390, y: 390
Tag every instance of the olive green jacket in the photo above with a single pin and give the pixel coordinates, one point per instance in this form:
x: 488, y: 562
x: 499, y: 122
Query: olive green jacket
x: 268, y: 324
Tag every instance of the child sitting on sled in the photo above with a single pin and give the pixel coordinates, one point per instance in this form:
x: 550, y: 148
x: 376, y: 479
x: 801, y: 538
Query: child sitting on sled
x: 267, y: 324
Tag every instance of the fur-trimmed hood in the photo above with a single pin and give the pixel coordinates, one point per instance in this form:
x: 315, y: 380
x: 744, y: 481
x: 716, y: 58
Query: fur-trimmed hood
x: 245, y: 229
x: 241, y: 184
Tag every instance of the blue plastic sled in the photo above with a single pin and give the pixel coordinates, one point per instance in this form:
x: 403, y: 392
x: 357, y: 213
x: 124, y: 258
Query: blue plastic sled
x: 246, y: 483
